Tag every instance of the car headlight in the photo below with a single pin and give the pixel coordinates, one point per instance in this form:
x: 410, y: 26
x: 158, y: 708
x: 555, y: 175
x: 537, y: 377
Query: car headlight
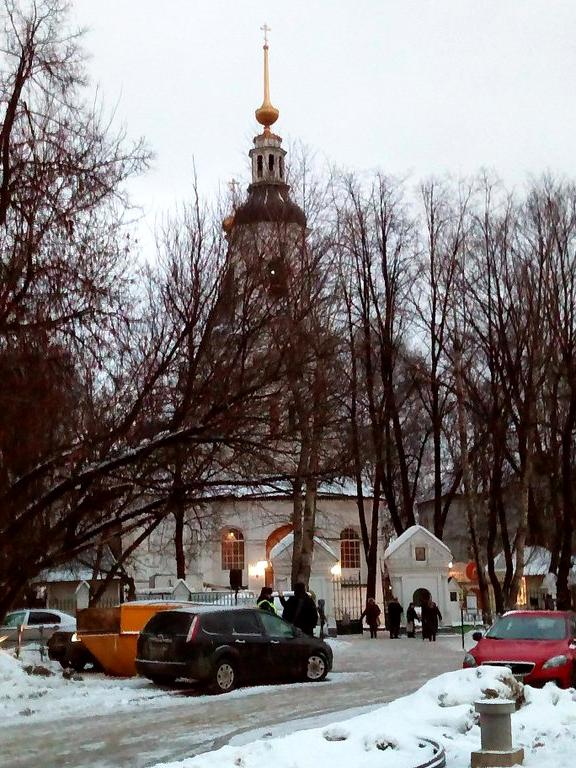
x: 555, y: 661
x: 469, y: 660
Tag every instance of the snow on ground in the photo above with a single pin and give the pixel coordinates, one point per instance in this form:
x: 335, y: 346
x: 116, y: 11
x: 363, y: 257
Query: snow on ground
x: 27, y: 691
x: 442, y: 709
x: 37, y: 690
x: 40, y: 698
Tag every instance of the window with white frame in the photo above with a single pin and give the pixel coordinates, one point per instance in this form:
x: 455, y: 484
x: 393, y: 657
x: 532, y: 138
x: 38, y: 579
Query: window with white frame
x: 349, y: 549
x: 232, y: 548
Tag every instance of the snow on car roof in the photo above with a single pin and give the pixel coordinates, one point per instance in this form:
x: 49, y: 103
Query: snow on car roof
x: 212, y: 608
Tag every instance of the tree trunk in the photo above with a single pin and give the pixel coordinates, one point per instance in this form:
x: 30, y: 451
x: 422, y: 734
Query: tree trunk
x: 563, y: 596
x: 469, y: 492
x: 179, y: 542
x: 308, y: 530
x: 522, y: 527
x: 372, y: 555
x: 297, y: 526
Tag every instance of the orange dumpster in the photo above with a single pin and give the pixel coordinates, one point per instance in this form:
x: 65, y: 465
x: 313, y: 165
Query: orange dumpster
x: 116, y: 653
x: 111, y: 634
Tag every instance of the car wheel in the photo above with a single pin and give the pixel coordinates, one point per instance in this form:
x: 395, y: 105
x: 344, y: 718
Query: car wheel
x: 224, y: 678
x: 316, y: 668
x: 77, y: 659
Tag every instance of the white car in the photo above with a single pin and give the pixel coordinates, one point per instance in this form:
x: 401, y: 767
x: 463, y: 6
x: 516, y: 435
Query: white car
x: 38, y: 624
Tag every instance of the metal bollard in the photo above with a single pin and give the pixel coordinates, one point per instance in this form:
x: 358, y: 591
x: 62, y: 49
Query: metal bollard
x: 496, y: 736
x: 42, y: 649
x: 19, y: 640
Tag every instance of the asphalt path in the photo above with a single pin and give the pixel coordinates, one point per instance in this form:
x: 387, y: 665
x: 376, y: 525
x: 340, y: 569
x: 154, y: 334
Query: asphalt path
x: 366, y: 673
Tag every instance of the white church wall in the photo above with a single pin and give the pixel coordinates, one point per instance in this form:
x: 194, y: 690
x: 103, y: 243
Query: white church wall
x: 155, y: 562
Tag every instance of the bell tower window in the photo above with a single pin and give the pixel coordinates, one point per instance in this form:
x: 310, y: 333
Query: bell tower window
x: 259, y: 166
x: 281, y: 163
x: 277, y: 277
x: 271, y: 163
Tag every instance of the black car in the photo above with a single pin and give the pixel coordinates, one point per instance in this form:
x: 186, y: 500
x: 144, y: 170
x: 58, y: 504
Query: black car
x: 70, y: 651
x: 226, y: 647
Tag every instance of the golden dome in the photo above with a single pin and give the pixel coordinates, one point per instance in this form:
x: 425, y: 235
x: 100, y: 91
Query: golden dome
x: 266, y: 114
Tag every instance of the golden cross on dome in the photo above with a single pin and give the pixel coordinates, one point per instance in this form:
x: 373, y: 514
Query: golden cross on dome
x: 266, y: 29
x: 266, y: 114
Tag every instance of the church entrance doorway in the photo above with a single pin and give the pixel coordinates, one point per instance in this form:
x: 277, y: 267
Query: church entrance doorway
x: 275, y: 538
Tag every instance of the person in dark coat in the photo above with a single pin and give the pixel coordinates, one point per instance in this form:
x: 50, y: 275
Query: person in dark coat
x: 372, y: 615
x: 322, y: 617
x: 430, y: 617
x: 411, y: 617
x: 395, y: 612
x: 266, y: 602
x: 300, y: 610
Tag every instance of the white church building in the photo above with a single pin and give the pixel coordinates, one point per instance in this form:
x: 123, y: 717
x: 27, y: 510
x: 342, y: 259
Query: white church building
x: 252, y: 537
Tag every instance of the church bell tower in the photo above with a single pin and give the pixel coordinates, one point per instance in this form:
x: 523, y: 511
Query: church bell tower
x: 268, y: 225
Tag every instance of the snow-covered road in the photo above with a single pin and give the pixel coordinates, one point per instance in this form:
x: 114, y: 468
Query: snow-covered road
x: 142, y: 728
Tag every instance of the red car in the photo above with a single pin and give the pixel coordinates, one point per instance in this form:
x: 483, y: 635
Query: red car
x: 538, y: 646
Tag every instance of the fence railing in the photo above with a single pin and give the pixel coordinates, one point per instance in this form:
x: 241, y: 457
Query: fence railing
x: 69, y: 605
x: 206, y: 598
x: 246, y: 597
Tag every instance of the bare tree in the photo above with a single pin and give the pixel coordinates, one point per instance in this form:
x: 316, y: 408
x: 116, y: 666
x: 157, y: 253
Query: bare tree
x: 446, y: 222
x: 375, y: 241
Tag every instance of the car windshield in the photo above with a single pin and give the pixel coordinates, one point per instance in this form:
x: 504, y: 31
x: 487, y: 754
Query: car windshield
x: 528, y: 628
x: 14, y: 619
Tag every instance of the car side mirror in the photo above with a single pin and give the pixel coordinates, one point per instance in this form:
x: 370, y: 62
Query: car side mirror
x: 477, y: 636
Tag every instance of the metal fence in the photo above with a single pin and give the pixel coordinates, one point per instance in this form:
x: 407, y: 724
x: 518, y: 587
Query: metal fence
x: 223, y: 598
x: 206, y: 598
x: 348, y: 596
x: 245, y: 597
x: 69, y: 605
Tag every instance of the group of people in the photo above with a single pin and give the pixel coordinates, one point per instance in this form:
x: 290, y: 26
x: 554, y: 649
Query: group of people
x: 299, y: 609
x: 430, y: 617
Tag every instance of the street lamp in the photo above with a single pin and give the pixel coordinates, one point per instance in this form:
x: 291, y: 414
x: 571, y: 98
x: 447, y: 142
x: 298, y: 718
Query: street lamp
x: 258, y: 570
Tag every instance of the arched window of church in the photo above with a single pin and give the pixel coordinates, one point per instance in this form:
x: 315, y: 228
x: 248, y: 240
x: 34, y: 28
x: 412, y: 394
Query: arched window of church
x: 232, y: 546
x: 270, y: 163
x: 259, y: 166
x: 349, y: 549
x: 281, y: 161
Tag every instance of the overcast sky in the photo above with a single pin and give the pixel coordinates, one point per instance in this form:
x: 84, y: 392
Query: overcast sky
x: 416, y: 87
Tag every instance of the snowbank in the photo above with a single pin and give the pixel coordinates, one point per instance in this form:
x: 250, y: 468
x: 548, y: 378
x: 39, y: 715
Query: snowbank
x: 442, y: 710
x: 38, y: 691
x: 11, y: 672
